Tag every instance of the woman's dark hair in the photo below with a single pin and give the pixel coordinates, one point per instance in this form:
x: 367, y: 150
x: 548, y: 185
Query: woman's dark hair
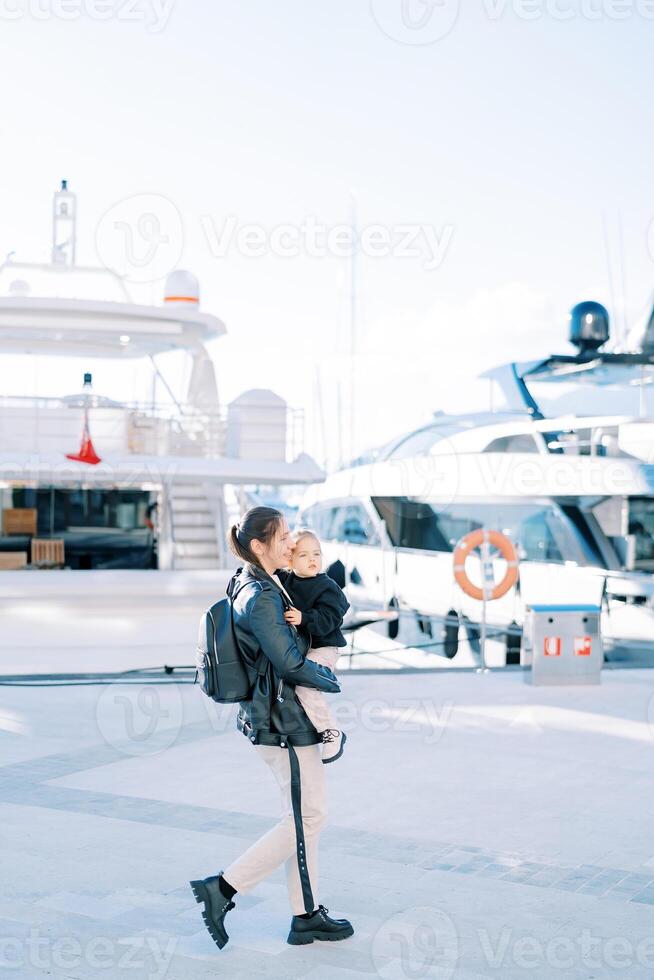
x: 258, y: 522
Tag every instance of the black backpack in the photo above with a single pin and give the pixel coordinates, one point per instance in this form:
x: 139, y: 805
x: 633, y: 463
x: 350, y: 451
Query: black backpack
x: 220, y: 666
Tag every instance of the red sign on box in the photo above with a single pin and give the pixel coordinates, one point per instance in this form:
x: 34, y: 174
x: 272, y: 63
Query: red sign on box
x: 583, y: 646
x: 552, y: 646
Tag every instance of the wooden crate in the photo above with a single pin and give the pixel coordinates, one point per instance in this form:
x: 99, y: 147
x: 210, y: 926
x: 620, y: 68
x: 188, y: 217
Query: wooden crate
x: 19, y: 520
x: 10, y: 560
x: 47, y: 551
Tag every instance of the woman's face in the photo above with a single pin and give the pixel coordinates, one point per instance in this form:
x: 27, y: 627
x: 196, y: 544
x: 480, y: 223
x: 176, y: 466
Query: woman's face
x: 278, y: 552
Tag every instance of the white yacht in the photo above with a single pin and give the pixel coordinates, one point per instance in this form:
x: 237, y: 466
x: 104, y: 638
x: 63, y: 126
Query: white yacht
x: 93, y: 484
x: 563, y: 467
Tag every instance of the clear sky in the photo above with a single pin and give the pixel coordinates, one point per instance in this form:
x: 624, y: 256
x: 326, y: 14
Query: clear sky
x: 506, y: 145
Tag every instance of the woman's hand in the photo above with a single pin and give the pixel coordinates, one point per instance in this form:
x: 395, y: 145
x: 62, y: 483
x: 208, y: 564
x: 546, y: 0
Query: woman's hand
x: 293, y: 616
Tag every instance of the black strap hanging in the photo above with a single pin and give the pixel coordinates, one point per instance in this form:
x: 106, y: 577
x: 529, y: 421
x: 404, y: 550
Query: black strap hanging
x: 296, y: 799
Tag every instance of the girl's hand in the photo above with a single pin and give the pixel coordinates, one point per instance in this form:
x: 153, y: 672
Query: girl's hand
x: 293, y: 616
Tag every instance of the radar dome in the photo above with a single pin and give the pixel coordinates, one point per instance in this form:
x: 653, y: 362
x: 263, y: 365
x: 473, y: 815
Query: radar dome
x: 182, y: 289
x: 589, y: 326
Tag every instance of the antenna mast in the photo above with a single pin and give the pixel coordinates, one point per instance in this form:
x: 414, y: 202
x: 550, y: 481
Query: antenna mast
x: 64, y: 216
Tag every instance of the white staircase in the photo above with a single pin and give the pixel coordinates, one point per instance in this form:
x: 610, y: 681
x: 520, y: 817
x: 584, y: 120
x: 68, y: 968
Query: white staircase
x: 194, y: 527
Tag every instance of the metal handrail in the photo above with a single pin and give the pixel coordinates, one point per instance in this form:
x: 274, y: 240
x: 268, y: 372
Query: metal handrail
x: 193, y: 428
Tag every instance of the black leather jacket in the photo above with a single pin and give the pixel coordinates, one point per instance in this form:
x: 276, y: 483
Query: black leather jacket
x: 274, y: 716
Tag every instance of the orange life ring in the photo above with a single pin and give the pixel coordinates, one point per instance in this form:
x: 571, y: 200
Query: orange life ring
x: 504, y: 545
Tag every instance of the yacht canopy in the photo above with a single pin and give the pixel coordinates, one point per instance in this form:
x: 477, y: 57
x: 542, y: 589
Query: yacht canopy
x: 100, y: 328
x: 138, y: 470
x: 475, y: 476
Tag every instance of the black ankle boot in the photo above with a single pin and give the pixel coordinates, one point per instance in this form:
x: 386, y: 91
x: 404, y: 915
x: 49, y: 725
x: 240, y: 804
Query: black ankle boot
x: 216, y: 907
x: 318, y: 926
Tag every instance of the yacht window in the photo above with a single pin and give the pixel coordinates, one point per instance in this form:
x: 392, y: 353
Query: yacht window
x: 585, y: 525
x: 352, y: 523
x: 537, y: 537
x: 520, y: 442
x: 420, y: 443
x: 641, y: 525
x: 540, y: 530
x: 100, y: 528
x: 411, y: 524
x: 58, y: 509
x: 320, y: 518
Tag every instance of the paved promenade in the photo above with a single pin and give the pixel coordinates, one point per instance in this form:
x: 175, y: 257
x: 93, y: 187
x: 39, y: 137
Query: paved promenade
x: 479, y: 828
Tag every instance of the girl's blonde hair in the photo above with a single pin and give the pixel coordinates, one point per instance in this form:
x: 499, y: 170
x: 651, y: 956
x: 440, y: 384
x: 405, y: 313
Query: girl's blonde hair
x: 304, y: 532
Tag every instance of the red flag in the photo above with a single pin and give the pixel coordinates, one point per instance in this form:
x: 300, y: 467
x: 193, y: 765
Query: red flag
x: 87, y: 453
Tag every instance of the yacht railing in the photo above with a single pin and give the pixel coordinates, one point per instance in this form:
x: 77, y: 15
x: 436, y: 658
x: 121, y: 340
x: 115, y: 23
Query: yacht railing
x: 590, y: 441
x: 40, y: 424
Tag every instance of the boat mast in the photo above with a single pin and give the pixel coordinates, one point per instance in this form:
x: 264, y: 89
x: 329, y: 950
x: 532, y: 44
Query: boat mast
x: 64, y: 218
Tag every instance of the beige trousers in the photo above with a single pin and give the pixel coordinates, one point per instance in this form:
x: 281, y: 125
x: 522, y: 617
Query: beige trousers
x: 282, y: 842
x: 315, y: 702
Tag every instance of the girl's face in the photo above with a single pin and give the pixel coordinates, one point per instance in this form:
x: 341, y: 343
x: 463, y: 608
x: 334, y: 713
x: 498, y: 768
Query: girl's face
x: 307, y: 557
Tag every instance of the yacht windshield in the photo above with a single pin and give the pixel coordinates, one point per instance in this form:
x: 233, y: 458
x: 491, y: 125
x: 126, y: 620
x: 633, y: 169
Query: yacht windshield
x: 421, y: 443
x: 594, y: 389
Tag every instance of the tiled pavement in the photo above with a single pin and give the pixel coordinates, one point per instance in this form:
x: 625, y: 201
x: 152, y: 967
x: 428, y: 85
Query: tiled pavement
x: 451, y: 844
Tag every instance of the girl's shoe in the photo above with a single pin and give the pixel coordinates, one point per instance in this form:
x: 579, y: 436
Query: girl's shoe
x: 216, y: 907
x: 319, y: 926
x: 333, y: 742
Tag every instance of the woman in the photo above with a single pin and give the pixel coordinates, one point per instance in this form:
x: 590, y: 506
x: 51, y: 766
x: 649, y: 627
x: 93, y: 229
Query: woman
x: 276, y: 724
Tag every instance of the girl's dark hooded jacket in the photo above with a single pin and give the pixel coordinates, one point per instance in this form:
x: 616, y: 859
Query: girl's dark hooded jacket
x: 275, y: 655
x: 322, y: 604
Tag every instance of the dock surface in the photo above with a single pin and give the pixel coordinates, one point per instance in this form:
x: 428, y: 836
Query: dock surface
x: 479, y: 828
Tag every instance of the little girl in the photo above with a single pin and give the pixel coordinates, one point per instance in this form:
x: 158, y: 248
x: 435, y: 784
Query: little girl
x: 319, y: 604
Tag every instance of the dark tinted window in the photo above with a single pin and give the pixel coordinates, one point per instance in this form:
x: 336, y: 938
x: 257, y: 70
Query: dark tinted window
x: 60, y: 509
x: 411, y: 524
x: 351, y: 523
x: 540, y: 530
x: 320, y: 518
x: 347, y: 522
x: 641, y: 524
